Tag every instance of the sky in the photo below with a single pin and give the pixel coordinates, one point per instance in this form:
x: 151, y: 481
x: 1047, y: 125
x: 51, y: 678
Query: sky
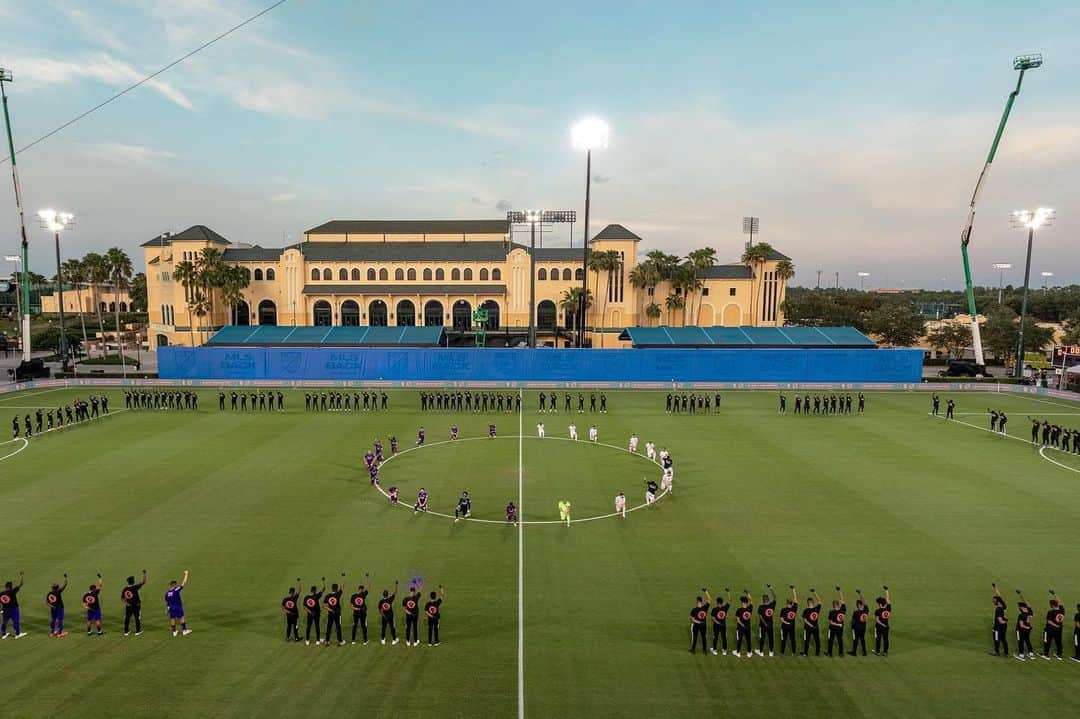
x: 855, y: 131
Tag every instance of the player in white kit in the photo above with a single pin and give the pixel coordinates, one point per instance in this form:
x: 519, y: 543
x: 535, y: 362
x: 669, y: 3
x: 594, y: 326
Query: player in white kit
x: 650, y: 451
x: 620, y: 504
x: 540, y: 430
x: 573, y: 431
x: 633, y: 443
x: 593, y: 433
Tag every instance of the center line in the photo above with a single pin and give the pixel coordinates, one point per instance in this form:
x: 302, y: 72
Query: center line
x: 521, y: 563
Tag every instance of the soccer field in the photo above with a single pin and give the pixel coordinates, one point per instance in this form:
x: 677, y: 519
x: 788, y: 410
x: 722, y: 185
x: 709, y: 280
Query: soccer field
x: 249, y: 502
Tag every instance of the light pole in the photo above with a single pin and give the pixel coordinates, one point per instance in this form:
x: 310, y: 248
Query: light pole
x: 862, y: 281
x: 1046, y: 277
x: 1031, y: 220
x: 590, y: 133
x: 1001, y: 267
x: 17, y: 261
x: 751, y: 226
x: 1023, y: 63
x: 55, y: 222
x: 24, y: 273
x: 532, y: 218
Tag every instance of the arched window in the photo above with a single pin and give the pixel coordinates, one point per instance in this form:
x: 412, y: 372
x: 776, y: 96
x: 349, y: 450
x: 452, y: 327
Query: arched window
x: 350, y: 314
x: 327, y: 275
x: 399, y: 274
x: 268, y: 313
x: 411, y: 275
x: 123, y: 306
x: 112, y: 307
x: 462, y: 316
x: 483, y: 274
x: 371, y: 274
x: 440, y: 275
x: 241, y: 314
x: 554, y: 274
x: 343, y: 275
x: 315, y: 274
x: 541, y: 274
x: 496, y: 274
x: 322, y: 314
x: 164, y: 316
x: 455, y: 275
x: 355, y: 275
x: 258, y: 275
x: 270, y: 275
x: 579, y: 274
x: 406, y: 314
x: 247, y: 274
x: 546, y: 315
x: 383, y: 275
x: 377, y: 313
x: 567, y: 275
x: 433, y: 314
x: 466, y: 274
x: 492, y: 308
x: 427, y: 274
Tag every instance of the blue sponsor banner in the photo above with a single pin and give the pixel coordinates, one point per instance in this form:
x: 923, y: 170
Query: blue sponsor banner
x: 634, y: 366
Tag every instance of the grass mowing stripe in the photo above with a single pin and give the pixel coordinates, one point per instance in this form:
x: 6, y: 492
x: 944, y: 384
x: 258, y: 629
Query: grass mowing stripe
x: 521, y: 561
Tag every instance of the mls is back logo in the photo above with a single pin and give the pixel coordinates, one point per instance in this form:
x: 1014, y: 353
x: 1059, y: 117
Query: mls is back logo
x: 291, y: 362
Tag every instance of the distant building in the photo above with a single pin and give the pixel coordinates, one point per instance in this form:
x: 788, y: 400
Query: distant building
x: 436, y: 273
x: 88, y: 300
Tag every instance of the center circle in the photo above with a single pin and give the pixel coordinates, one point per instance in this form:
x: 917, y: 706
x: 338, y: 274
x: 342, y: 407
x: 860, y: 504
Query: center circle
x: 406, y: 502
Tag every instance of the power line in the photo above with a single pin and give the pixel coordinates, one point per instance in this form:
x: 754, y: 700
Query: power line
x: 146, y: 79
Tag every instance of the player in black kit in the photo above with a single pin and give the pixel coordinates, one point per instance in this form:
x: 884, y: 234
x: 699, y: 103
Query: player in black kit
x: 386, y: 609
x: 766, y: 613
x: 1055, y: 620
x: 332, y: 601
x: 787, y: 621
x: 858, y: 625
x: 719, y: 621
x: 699, y: 614
x: 314, y: 613
x: 836, y: 624
x: 358, y: 601
x: 433, y: 612
x: 811, y: 630
x: 743, y: 616
x: 1001, y: 624
x: 290, y: 607
x: 882, y: 615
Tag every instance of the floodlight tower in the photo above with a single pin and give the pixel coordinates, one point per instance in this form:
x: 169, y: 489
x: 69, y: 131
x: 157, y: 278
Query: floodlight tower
x: 1023, y: 63
x: 24, y: 270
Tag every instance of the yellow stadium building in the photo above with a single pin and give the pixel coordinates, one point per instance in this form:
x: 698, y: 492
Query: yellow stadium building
x: 438, y: 273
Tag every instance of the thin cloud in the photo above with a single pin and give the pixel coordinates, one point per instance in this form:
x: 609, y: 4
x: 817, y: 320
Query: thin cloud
x: 102, y: 67
x: 125, y: 153
x: 282, y: 197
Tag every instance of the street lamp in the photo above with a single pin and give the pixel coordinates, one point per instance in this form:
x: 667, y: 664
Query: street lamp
x: 533, y: 218
x: 1031, y: 220
x: 1001, y: 266
x: 55, y: 222
x: 590, y: 133
x: 862, y: 280
x: 1046, y: 277
x: 5, y: 76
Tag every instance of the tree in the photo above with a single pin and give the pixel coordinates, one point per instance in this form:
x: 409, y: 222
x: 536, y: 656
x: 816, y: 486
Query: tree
x: 120, y: 270
x: 897, y: 325
x: 185, y: 274
x: 570, y: 304
x: 138, y: 293
x: 785, y: 270
x: 755, y: 257
x: 674, y: 302
x: 49, y: 339
x: 74, y: 273
x: 643, y: 277
x: 822, y: 308
x: 97, y: 270
x: 950, y: 337
x: 1072, y: 332
x: 700, y: 262
x: 685, y: 282
x: 606, y: 262
x: 1001, y: 334
x: 652, y: 311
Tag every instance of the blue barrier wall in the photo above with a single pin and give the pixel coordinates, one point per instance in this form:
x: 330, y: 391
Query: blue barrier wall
x: 541, y: 365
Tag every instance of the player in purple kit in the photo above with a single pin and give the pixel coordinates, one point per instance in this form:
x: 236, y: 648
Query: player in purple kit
x: 92, y: 603
x: 175, y: 605
x: 453, y: 432
x: 420, y: 437
x: 491, y: 430
x: 9, y: 607
x: 511, y: 513
x: 55, y: 601
x: 393, y: 446
x: 373, y: 470
x: 378, y: 451
x: 421, y: 501
x: 393, y: 494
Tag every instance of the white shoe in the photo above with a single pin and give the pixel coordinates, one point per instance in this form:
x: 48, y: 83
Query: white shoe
x: 734, y: 653
x: 175, y: 634
x: 383, y: 641
x: 1058, y: 658
x: 187, y: 631
x: 1046, y: 657
x: 307, y: 642
x: 758, y: 652
x: 138, y: 633
x: 725, y: 652
x: 770, y: 654
x: 354, y: 641
x: 713, y: 651
x: 1020, y: 657
x: 395, y: 641
x: 1031, y: 655
x: 4, y: 636
x: 20, y: 635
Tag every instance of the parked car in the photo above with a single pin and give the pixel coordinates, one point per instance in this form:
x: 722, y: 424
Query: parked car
x: 964, y: 368
x: 30, y: 369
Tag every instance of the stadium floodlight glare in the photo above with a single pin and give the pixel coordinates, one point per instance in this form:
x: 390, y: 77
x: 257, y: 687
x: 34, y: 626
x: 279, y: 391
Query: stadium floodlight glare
x: 862, y: 279
x: 590, y: 133
x: 1033, y: 219
x: 5, y: 74
x: 1030, y: 220
x: 1027, y: 62
x: 532, y: 218
x: 56, y: 222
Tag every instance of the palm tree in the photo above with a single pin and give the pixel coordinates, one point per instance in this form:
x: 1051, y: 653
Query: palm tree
x: 674, y: 302
x: 785, y: 270
x: 602, y: 262
x: 233, y: 281
x: 198, y: 306
x: 74, y: 273
x: 652, y: 311
x: 700, y: 261
x: 755, y: 256
x: 209, y: 265
x: 97, y: 273
x: 570, y: 303
x: 644, y: 276
x: 120, y: 270
x: 185, y: 274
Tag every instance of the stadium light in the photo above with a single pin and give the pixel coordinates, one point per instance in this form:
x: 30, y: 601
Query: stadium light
x: 532, y: 218
x: 56, y: 222
x: 751, y: 226
x: 588, y: 134
x: 862, y: 280
x: 1030, y: 220
x: 1001, y: 267
x: 1046, y: 277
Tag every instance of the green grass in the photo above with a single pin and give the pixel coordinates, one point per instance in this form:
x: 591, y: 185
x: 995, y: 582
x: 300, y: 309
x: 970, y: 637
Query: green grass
x: 249, y: 502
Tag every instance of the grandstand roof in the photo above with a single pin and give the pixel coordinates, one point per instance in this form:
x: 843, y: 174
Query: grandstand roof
x: 490, y: 251
x: 384, y: 289
x: 736, y: 337
x: 412, y: 227
x: 200, y: 233
x: 266, y: 335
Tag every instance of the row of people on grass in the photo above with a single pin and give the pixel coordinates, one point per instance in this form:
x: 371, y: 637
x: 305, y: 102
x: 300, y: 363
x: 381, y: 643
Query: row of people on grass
x: 161, y: 399
x: 363, y: 401
x: 44, y: 420
x: 1025, y: 617
x: 823, y: 404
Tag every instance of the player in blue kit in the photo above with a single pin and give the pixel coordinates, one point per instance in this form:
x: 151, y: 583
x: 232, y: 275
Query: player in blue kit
x: 175, y: 605
x: 9, y: 608
x: 92, y: 604
x: 55, y: 601
x: 420, y: 437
